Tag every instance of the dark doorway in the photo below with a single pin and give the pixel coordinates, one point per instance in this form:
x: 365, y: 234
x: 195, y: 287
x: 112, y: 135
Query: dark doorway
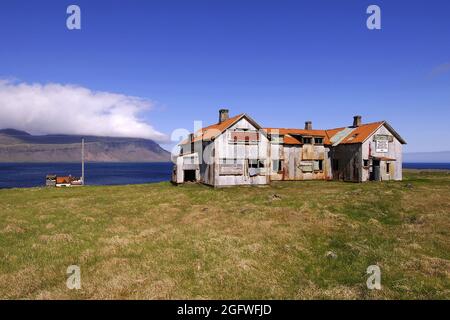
x: 375, y: 174
x: 189, y: 176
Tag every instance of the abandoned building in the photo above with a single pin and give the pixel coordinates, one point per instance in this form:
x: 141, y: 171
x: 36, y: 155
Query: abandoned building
x: 238, y: 151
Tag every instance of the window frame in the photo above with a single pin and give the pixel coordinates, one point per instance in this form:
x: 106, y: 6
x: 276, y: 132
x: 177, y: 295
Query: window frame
x: 318, y: 143
x: 310, y: 139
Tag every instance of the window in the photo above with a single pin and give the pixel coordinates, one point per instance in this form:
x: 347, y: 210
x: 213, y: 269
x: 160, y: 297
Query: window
x: 307, y: 166
x: 388, y: 167
x: 231, y: 167
x: 277, y: 165
x: 307, y: 140
x: 276, y: 139
x: 318, y: 140
x: 243, y: 137
x: 256, y: 164
x: 366, y: 162
x: 228, y: 161
x: 318, y: 165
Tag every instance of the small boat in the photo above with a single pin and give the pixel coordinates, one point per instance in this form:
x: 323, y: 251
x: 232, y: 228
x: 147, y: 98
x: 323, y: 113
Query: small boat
x: 52, y: 180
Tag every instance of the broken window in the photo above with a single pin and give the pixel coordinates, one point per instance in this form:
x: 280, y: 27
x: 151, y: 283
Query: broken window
x: 307, y: 140
x: 261, y: 164
x: 256, y: 164
x: 277, y: 165
x: 318, y: 165
x: 318, y: 140
x: 255, y: 167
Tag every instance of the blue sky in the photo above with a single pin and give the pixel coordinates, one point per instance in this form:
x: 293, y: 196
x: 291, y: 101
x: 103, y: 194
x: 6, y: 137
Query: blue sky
x: 282, y: 62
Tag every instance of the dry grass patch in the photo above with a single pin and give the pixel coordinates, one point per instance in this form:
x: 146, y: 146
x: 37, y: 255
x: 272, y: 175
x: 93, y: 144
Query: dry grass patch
x: 290, y: 240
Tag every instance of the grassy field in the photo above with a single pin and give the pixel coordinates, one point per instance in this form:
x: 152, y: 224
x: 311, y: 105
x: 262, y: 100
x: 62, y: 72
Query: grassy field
x: 291, y: 240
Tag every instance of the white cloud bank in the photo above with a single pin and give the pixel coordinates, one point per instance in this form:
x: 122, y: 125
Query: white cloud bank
x: 69, y: 109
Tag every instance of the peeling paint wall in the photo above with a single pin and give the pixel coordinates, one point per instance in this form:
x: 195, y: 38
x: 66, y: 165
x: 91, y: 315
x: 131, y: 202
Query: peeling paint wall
x: 395, y: 150
x: 299, y: 162
x: 349, y: 162
x: 226, y: 149
x: 228, y: 162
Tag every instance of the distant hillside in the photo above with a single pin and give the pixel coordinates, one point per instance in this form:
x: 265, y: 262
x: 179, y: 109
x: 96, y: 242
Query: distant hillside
x: 20, y: 146
x: 437, y: 157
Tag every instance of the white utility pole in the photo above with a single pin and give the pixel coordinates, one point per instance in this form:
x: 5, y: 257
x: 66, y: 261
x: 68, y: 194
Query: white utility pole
x: 82, y: 161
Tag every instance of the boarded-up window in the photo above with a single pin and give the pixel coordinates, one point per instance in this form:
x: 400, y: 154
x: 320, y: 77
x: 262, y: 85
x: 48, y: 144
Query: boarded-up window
x: 276, y: 139
x: 231, y: 167
x: 307, y: 166
x: 247, y: 137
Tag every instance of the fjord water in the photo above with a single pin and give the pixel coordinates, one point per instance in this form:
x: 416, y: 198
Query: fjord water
x: 427, y: 165
x: 21, y: 175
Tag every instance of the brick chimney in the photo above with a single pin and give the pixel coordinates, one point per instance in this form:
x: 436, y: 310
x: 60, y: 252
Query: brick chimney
x: 223, y: 115
x: 308, y: 125
x: 356, y: 121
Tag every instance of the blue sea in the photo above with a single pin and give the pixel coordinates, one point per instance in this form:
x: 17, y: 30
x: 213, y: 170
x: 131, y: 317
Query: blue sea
x: 20, y: 175
x: 425, y: 165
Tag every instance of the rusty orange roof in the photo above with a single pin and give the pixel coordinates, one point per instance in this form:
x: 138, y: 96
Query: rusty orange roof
x: 358, y: 134
x: 300, y: 132
x: 63, y: 180
x: 288, y: 139
x: 214, y: 130
x: 289, y: 134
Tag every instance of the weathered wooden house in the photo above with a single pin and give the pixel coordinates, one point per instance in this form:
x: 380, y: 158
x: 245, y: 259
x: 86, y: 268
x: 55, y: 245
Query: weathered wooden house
x: 238, y: 151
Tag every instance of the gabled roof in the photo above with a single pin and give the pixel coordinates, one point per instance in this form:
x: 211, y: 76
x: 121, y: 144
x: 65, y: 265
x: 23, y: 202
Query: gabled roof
x: 343, y: 135
x: 356, y: 134
x: 336, y: 136
x: 361, y: 133
x: 213, y: 131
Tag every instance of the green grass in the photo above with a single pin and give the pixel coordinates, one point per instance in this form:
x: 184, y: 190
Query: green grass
x: 159, y: 241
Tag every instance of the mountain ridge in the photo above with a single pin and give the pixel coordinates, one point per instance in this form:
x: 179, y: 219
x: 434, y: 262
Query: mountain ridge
x: 20, y: 146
